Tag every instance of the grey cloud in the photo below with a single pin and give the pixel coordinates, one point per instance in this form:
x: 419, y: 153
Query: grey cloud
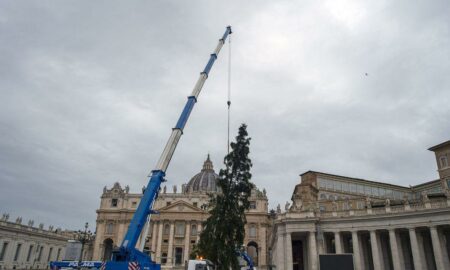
x: 89, y: 92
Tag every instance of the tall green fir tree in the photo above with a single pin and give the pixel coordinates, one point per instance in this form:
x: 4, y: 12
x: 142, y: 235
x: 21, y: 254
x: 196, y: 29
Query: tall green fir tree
x: 224, y: 230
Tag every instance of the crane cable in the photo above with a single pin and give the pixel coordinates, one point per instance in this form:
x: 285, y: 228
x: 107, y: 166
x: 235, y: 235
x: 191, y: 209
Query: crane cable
x: 229, y: 93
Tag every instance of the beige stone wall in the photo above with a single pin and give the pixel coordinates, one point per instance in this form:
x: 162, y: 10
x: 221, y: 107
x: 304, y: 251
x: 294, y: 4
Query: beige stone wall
x: 171, y: 235
x: 24, y: 243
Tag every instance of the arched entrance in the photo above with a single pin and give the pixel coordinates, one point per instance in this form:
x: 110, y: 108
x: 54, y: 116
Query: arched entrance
x: 107, y: 249
x: 252, y: 251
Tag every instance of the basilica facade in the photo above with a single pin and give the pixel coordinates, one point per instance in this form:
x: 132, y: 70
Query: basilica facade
x: 384, y: 226
x: 173, y: 232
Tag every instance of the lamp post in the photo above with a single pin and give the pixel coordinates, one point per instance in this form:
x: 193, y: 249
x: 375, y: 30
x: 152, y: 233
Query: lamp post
x: 83, y: 237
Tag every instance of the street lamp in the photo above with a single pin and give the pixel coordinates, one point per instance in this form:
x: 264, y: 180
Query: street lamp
x: 83, y: 237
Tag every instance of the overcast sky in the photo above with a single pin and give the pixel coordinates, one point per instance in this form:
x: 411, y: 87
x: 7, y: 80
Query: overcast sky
x: 89, y: 92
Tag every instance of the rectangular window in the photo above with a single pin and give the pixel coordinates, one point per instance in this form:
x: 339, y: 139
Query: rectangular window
x: 40, y: 254
x: 178, y: 256
x: 389, y: 193
x: 345, y: 187
x: 345, y: 206
x: 360, y: 205
x: 3, y: 251
x: 114, y: 202
x: 353, y: 188
x: 375, y: 191
x: 194, y: 229
x: 30, y: 251
x: 329, y: 184
x: 164, y: 258
x: 338, y: 186
x: 367, y: 190
x: 252, y: 205
x: 360, y: 189
x: 49, y: 254
x: 382, y: 192
x: 133, y: 204
x: 179, y: 229
x: 322, y: 183
x: 58, y: 254
x: 168, y: 203
x: 195, y: 204
x: 444, y: 162
x: 16, y: 256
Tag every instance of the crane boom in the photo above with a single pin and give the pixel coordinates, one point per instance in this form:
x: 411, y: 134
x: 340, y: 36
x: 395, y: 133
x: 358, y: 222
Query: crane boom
x: 127, y: 253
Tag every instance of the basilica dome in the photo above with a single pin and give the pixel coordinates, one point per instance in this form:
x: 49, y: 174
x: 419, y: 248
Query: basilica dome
x: 204, y: 181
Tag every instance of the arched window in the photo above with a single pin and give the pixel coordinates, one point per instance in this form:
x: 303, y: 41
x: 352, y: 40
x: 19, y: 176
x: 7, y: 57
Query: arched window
x: 252, y: 230
x: 194, y: 229
x: 166, y: 229
x: 109, y: 228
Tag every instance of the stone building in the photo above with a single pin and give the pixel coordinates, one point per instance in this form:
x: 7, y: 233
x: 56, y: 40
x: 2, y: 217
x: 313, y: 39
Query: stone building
x: 24, y: 246
x: 172, y: 233
x: 385, y: 226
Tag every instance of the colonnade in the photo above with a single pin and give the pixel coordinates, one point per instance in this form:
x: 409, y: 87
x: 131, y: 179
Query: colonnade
x: 411, y: 248
x: 158, y: 238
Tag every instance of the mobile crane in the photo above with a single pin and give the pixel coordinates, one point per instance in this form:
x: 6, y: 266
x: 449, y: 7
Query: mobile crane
x: 127, y: 256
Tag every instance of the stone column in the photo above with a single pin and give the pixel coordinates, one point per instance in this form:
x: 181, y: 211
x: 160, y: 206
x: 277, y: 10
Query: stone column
x: 338, y: 242
x: 279, y: 259
x: 158, y: 247
x: 154, y: 236
x: 288, y: 251
x: 121, y: 232
x: 394, y: 250
x: 417, y: 258
x: 437, y: 248
x: 375, y: 251
x: 187, y: 239
x: 356, y: 250
x: 262, y: 254
x: 98, y: 254
x: 312, y: 246
x: 170, y: 249
x: 199, y: 230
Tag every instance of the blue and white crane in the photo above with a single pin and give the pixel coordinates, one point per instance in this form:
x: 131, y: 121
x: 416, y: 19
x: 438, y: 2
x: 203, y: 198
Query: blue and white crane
x: 127, y: 255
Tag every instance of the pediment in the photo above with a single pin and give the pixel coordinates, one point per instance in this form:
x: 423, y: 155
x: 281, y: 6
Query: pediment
x: 180, y: 206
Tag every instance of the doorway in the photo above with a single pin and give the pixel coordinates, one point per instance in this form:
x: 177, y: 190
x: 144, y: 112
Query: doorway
x: 297, y: 255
